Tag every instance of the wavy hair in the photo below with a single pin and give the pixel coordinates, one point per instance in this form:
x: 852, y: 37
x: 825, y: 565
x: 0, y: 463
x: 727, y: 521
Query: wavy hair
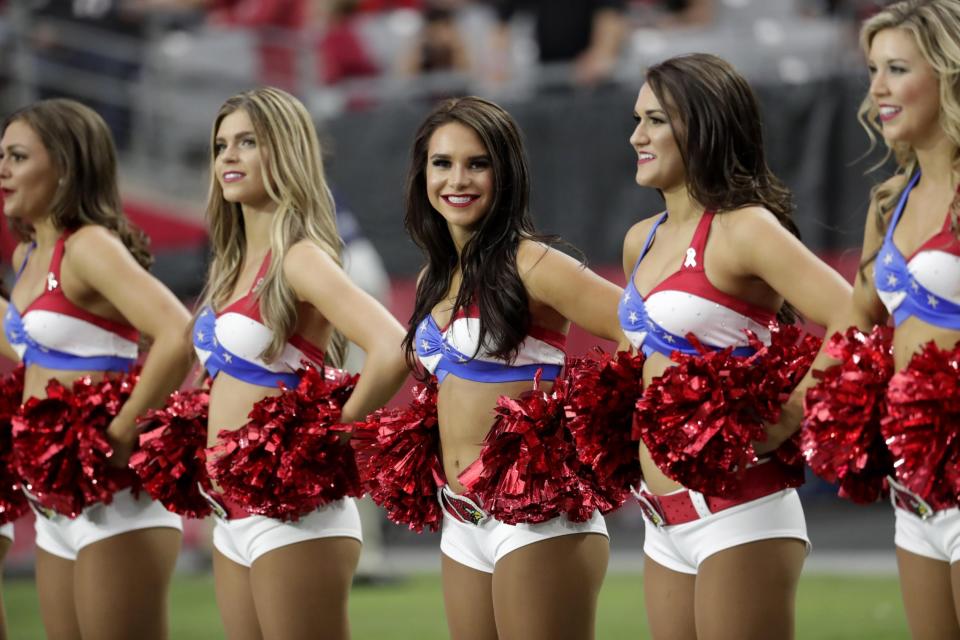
x: 935, y: 27
x: 716, y: 120
x: 488, y: 261
x: 293, y: 176
x: 83, y: 154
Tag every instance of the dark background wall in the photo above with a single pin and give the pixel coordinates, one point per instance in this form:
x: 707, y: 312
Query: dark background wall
x: 582, y: 165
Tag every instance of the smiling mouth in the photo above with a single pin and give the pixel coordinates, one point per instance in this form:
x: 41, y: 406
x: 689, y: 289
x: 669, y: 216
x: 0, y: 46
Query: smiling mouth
x: 889, y: 113
x: 644, y: 157
x: 233, y: 176
x: 460, y: 200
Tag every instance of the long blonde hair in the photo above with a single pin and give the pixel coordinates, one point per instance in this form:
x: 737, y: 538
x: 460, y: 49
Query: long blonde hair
x: 935, y: 27
x: 294, y: 179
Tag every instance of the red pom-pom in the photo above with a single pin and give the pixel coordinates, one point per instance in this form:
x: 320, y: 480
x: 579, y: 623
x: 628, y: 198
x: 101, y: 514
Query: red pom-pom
x: 291, y: 457
x: 698, y: 423
x: 699, y: 419
x: 922, y: 425
x: 60, y: 444
x: 779, y: 367
x: 841, y: 437
x: 13, y: 503
x: 171, y: 460
x: 599, y: 397
x: 527, y: 469
x: 398, y: 454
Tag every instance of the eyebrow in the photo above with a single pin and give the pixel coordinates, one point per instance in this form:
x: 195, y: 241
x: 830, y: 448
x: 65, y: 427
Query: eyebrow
x: 900, y: 60
x: 239, y: 134
x: 16, y: 146
x: 446, y: 156
x: 650, y: 112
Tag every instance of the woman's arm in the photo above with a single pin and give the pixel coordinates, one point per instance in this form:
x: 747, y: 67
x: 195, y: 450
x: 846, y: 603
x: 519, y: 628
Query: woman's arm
x: 768, y: 251
x: 101, y: 261
x: 319, y: 281
x: 867, y: 309
x: 575, y: 292
x: 6, y: 351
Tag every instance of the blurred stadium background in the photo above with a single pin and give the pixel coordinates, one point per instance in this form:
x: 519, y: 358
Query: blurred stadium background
x: 368, y: 70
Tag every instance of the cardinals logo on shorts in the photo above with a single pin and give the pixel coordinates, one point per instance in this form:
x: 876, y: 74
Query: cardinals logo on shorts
x: 46, y: 512
x: 463, y: 509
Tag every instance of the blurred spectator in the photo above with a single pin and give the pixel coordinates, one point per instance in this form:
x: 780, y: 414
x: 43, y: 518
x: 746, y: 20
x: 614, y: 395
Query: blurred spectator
x: 341, y: 53
x: 587, y: 33
x: 855, y: 10
x: 285, y: 28
x: 680, y: 13
x: 439, y: 45
x: 273, y: 22
x: 90, y: 50
x: 376, y: 6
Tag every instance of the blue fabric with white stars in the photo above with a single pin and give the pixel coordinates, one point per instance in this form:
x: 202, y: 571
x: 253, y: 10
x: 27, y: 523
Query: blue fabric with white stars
x: 221, y: 359
x: 36, y: 353
x: 32, y: 352
x: 431, y: 342
x: 634, y: 318
x: 892, y: 278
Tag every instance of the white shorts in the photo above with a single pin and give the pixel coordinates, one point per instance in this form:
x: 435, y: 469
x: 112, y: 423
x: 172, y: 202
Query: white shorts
x: 683, y: 547
x: 937, y: 537
x: 7, y: 531
x: 245, y: 539
x: 64, y: 537
x: 481, y: 546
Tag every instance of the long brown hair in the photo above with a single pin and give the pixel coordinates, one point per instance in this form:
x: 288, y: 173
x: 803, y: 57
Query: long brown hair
x: 715, y: 118
x: 85, y: 159
x: 488, y: 261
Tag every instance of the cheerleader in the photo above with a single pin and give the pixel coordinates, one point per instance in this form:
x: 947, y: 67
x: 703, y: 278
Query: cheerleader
x: 277, y: 297
x: 719, y: 262
x: 82, y: 297
x: 911, y: 273
x: 493, y: 306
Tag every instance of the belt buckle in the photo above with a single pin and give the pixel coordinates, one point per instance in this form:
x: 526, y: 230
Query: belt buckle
x: 462, y: 508
x: 46, y: 512
x: 650, y: 510
x: 910, y: 501
x: 215, y: 506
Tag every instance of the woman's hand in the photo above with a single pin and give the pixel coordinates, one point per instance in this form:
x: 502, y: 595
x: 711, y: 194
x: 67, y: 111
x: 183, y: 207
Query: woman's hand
x: 122, y: 435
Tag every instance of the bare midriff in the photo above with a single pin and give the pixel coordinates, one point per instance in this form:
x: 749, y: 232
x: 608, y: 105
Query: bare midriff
x: 910, y: 337
x: 465, y: 410
x: 36, y: 377
x: 657, y: 482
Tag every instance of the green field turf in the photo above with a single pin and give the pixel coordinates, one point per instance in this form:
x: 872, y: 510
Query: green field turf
x: 829, y: 608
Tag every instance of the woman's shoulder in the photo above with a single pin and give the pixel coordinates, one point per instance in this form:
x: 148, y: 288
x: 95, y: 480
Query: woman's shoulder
x: 749, y: 219
x: 307, y: 260
x: 532, y: 254
x: 530, y: 251
x: 636, y: 237
x: 637, y: 234
x: 90, y: 239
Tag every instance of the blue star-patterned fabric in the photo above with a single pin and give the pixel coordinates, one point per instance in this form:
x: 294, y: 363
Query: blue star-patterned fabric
x: 899, y: 289
x: 216, y: 358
